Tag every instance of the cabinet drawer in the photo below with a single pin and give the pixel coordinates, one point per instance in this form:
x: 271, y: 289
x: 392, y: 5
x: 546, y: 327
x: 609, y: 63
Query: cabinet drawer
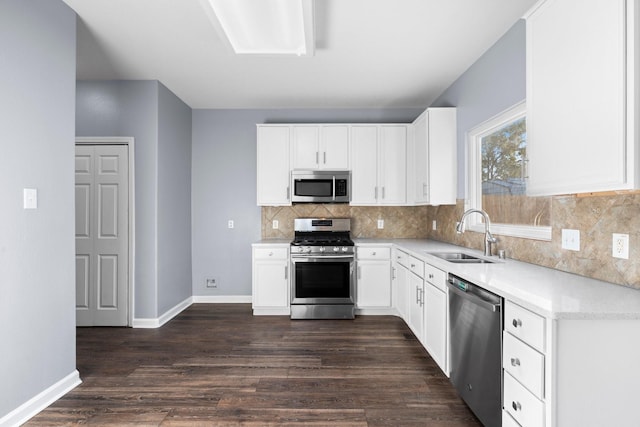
x: 524, y: 363
x: 270, y: 253
x: 377, y: 252
x: 524, y: 324
x: 416, y: 266
x: 402, y: 258
x: 523, y: 406
x: 436, y: 277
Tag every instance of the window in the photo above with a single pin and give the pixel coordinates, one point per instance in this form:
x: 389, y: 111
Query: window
x: 498, y: 181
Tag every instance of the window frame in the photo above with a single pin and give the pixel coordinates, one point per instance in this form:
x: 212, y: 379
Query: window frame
x: 474, y: 177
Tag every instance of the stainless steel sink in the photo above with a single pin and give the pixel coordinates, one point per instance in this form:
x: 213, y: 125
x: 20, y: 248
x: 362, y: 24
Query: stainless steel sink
x: 460, y: 258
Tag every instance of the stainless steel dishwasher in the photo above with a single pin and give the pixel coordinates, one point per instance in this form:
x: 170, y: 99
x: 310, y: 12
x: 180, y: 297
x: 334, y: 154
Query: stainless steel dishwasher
x: 475, y: 319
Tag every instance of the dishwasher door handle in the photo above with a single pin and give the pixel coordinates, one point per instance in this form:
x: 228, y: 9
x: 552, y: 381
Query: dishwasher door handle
x: 475, y: 299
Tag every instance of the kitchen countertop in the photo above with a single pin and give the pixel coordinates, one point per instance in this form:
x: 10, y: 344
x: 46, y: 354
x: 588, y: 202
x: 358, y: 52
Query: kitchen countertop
x: 551, y: 293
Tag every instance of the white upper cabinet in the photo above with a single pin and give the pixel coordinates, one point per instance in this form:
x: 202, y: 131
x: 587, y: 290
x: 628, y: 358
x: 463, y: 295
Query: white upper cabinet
x: 378, y: 164
x: 320, y: 147
x: 273, y: 165
x: 582, y: 96
x: 432, y: 158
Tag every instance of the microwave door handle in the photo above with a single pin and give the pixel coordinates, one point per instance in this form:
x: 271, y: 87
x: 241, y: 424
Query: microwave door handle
x: 334, y: 188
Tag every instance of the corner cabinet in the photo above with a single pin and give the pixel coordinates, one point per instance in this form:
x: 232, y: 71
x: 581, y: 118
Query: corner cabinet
x: 378, y: 165
x: 270, y: 279
x: 582, y: 96
x: 432, y: 159
x: 273, y: 165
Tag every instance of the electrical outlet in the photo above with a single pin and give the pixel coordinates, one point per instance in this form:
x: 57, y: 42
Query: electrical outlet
x: 275, y: 224
x: 230, y: 224
x: 212, y: 283
x: 571, y: 239
x: 434, y: 225
x: 380, y: 224
x: 620, y: 246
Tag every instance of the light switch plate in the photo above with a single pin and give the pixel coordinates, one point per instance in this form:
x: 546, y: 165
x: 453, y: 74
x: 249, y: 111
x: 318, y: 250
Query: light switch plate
x: 275, y: 224
x: 571, y: 239
x: 230, y: 224
x: 30, y: 198
x: 380, y: 224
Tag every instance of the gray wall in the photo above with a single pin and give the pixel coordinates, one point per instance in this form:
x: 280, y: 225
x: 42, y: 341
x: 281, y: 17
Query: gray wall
x: 130, y: 108
x: 492, y: 84
x: 161, y: 126
x: 224, y: 187
x: 174, y: 200
x: 37, y: 247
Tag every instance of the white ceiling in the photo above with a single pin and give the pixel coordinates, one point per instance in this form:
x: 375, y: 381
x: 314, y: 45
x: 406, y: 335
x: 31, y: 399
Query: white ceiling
x: 369, y: 53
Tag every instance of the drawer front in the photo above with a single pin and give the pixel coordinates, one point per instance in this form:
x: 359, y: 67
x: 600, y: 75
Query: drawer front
x: 523, y: 406
x: 524, y: 324
x: 364, y: 252
x: 402, y: 258
x: 436, y: 277
x: 417, y: 266
x: 524, y: 363
x: 271, y: 253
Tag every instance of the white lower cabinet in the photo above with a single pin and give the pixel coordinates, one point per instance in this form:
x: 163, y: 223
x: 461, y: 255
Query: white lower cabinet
x: 416, y: 306
x: 435, y: 328
x: 270, y: 279
x: 373, y: 278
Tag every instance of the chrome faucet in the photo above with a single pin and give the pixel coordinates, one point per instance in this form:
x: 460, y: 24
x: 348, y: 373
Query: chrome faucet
x: 488, y: 237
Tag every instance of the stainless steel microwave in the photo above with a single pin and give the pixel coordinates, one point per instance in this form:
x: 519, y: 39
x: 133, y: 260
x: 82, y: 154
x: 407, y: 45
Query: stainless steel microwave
x: 308, y: 186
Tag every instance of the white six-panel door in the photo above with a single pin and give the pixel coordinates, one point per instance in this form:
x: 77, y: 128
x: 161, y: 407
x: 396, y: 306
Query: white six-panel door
x: 102, y: 187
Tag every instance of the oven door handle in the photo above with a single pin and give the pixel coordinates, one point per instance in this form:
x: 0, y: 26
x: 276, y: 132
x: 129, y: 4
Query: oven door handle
x: 322, y: 257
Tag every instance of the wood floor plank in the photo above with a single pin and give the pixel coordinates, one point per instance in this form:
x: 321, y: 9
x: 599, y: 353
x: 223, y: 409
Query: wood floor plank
x: 218, y: 365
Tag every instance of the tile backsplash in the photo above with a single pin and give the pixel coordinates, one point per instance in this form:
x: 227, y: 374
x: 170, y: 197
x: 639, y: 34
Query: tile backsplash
x: 399, y: 222
x: 597, y: 218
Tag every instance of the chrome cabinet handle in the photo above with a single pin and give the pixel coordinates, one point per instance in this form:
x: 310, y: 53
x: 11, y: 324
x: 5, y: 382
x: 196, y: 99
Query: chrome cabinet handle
x: 376, y: 192
x: 270, y: 253
x: 317, y: 158
x: 288, y: 196
x: 373, y: 253
x: 393, y: 273
x: 325, y: 158
x: 516, y: 406
x: 430, y: 276
x: 413, y: 266
x: 382, y: 193
x: 417, y: 295
x: 286, y: 272
x: 359, y: 273
x: 515, y: 361
x: 516, y: 323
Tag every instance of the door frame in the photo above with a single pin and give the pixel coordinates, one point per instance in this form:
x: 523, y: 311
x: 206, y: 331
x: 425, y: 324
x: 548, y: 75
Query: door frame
x: 130, y: 143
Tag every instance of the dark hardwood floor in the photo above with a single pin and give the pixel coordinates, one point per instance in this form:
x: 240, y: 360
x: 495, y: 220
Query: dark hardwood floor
x: 217, y: 365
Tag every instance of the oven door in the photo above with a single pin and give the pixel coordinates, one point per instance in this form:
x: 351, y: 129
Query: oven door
x: 322, y: 279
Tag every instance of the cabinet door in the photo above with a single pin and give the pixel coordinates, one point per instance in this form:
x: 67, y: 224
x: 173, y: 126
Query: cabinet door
x: 305, y: 150
x: 334, y: 147
x: 374, y: 284
x: 416, y: 309
x: 270, y: 284
x: 401, y: 282
x: 442, y: 157
x: 392, y: 165
x: 576, y: 97
x: 364, y: 156
x: 421, y: 159
x: 435, y: 333
x: 273, y: 166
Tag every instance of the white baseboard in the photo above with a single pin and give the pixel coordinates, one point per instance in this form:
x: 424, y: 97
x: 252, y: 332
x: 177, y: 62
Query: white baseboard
x: 151, y: 322
x: 222, y: 299
x: 36, y: 404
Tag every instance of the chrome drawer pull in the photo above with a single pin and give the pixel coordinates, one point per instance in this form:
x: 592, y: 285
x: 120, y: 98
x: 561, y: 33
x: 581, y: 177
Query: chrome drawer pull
x: 516, y: 406
x: 515, y: 361
x: 516, y: 323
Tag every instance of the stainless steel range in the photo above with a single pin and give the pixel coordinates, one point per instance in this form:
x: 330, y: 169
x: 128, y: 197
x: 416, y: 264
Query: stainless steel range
x: 322, y: 265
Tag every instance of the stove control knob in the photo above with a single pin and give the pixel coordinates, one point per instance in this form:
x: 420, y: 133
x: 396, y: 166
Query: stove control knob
x: 336, y: 249
x: 322, y: 248
x: 308, y: 249
x: 345, y: 249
